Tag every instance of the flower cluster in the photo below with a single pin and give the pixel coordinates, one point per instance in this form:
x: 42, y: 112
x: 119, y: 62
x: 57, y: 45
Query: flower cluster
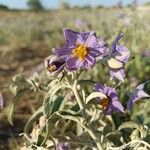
x: 82, y: 51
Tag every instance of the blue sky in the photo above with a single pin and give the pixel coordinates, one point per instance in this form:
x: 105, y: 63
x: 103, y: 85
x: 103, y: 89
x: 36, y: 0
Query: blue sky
x: 55, y: 3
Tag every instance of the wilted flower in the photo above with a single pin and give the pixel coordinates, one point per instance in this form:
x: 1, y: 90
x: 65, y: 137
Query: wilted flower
x: 119, y: 57
x: 54, y: 65
x: 62, y: 146
x: 80, y: 49
x: 1, y: 101
x: 137, y: 95
x: 110, y: 102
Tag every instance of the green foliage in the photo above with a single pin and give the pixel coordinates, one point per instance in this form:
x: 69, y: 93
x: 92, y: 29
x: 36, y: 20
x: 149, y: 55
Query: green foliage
x: 35, y: 5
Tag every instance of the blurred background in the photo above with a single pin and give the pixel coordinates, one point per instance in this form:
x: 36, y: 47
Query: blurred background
x: 29, y: 29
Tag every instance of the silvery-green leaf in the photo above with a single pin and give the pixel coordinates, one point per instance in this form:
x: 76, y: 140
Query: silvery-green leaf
x: 12, y: 107
x: 46, y: 131
x: 58, y: 104
x: 95, y: 95
x: 48, y: 99
x: 135, y: 135
x: 143, y: 130
x: 114, y: 138
x: 82, y: 139
x: 114, y: 63
x: 33, y: 119
x: 129, y: 124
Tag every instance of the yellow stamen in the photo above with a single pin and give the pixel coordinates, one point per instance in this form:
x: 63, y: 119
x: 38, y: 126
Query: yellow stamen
x: 51, y: 68
x: 104, y: 102
x: 81, y: 51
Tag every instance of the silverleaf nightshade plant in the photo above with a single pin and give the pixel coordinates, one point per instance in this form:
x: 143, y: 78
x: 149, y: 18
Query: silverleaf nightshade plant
x: 81, y: 123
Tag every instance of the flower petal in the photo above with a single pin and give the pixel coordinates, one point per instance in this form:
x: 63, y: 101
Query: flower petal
x: 118, y: 73
x: 71, y: 36
x: 73, y: 63
x: 1, y: 101
x: 114, y: 63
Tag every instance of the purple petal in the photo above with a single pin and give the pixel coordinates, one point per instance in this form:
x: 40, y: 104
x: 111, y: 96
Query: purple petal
x: 83, y: 36
x: 141, y: 86
x: 71, y: 36
x: 99, y: 87
x: 63, y: 51
x: 95, y: 52
x: 73, y: 63
x: 1, y: 101
x: 115, y: 106
x: 137, y: 94
x: 121, y: 53
x: 142, y: 94
x: 118, y: 73
x: 89, y: 61
x: 62, y: 146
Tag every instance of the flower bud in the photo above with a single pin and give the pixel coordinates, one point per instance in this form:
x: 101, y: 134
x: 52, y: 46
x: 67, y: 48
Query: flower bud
x: 54, y: 65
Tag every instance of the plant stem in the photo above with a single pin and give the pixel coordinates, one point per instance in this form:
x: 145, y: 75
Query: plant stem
x: 77, y: 95
x: 99, y: 145
x: 80, y: 103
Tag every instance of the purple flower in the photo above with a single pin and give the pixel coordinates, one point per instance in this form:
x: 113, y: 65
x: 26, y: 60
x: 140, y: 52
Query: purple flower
x: 54, y: 65
x: 137, y: 95
x: 79, y: 23
x: 80, y: 49
x: 145, y: 53
x: 62, y: 146
x: 110, y: 103
x: 119, y: 57
x: 1, y: 101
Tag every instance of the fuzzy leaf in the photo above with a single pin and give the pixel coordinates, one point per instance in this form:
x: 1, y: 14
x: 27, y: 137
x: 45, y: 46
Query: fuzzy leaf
x: 48, y: 100
x: 143, y: 130
x: 46, y: 132
x: 32, y: 119
x: 95, y: 95
x: 12, y: 107
x: 129, y: 124
x: 135, y: 135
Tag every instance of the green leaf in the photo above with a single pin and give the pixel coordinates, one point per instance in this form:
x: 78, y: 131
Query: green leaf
x: 33, y: 118
x: 135, y: 135
x: 12, y: 107
x: 115, y: 137
x: 129, y: 124
x: 49, y: 97
x: 143, y: 130
x: 83, y: 139
x: 58, y: 104
x: 46, y: 131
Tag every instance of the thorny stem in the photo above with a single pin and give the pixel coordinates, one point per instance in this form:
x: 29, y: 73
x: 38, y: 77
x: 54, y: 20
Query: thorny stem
x: 91, y: 133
